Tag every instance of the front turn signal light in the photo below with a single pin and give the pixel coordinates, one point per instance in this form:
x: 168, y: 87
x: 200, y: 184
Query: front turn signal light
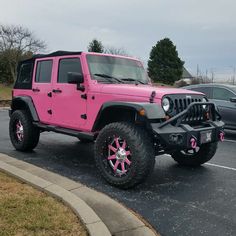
x: 142, y: 112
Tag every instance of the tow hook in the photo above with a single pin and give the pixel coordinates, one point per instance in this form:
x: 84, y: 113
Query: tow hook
x: 193, y: 142
x: 222, y: 136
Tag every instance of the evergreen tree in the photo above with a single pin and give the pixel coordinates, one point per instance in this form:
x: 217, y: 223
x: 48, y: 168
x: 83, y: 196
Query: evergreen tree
x: 95, y: 46
x: 164, y: 64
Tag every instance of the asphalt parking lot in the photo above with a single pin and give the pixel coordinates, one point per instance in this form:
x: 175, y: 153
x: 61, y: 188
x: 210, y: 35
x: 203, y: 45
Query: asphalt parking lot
x: 175, y: 200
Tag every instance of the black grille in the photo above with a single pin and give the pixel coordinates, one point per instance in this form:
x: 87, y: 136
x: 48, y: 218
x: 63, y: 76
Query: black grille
x: 181, y: 102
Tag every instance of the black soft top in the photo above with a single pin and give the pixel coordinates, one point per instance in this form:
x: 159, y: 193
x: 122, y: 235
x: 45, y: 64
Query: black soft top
x: 52, y: 54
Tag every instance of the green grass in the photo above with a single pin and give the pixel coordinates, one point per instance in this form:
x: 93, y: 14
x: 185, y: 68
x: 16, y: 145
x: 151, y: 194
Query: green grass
x: 26, y: 211
x: 5, y: 92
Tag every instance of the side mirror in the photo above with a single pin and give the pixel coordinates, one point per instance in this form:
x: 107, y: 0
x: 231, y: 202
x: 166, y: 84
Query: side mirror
x: 75, y: 78
x: 233, y: 99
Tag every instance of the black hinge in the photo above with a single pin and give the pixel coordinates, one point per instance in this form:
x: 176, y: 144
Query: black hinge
x: 84, y: 116
x: 50, y: 112
x: 84, y: 96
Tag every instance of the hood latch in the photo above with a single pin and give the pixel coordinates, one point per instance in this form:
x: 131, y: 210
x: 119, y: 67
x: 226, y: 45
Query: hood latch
x: 153, y: 95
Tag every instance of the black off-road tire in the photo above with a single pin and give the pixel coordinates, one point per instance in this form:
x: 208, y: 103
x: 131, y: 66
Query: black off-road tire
x: 140, y: 145
x: 31, y: 133
x: 203, y: 155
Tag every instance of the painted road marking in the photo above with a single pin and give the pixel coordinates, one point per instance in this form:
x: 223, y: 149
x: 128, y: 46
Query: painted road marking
x: 220, y: 166
x: 211, y: 164
x: 230, y: 140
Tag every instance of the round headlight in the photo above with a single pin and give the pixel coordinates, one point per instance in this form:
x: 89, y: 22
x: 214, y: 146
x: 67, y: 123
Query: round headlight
x: 204, y: 100
x: 166, y: 104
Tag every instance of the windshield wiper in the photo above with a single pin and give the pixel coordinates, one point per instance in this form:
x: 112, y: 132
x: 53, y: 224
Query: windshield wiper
x: 131, y: 79
x: 108, y: 77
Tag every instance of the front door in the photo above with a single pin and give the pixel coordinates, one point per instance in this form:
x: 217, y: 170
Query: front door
x: 69, y: 108
x: 41, y: 88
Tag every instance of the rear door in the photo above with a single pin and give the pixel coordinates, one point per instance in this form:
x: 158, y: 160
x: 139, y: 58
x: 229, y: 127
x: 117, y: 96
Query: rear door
x: 227, y: 109
x: 69, y: 108
x: 41, y: 88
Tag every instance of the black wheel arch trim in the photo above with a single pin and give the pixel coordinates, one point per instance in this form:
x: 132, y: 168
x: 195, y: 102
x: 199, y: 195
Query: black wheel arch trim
x: 19, y: 102
x: 152, y: 110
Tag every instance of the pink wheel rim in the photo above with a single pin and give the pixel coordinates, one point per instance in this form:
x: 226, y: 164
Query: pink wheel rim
x: 19, y: 131
x: 119, y: 156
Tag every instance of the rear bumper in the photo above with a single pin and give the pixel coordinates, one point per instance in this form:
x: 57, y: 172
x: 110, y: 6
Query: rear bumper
x: 177, y: 134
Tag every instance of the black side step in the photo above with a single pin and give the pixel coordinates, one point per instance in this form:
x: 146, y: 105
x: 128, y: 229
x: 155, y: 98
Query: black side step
x: 61, y: 130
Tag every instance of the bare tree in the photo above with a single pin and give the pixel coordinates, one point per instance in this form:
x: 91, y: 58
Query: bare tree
x: 116, y: 51
x: 17, y: 43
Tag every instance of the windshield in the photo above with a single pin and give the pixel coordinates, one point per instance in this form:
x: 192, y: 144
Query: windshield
x: 120, y: 69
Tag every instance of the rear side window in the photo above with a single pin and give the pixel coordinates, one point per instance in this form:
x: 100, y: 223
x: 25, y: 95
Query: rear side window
x: 24, y: 76
x: 68, y: 65
x: 206, y: 90
x: 222, y: 94
x: 44, y: 71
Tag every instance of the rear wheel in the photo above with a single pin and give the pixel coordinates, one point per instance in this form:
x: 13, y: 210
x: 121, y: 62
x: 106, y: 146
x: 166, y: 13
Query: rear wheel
x: 24, y: 136
x: 124, y: 154
x: 197, y: 156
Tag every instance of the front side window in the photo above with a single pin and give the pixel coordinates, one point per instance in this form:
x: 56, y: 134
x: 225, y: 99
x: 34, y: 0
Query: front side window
x: 222, y: 94
x: 206, y: 90
x: 44, y: 71
x: 121, y: 69
x: 68, y: 65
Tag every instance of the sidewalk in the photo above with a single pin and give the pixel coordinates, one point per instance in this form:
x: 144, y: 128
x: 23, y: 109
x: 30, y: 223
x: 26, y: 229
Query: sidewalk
x: 101, y: 215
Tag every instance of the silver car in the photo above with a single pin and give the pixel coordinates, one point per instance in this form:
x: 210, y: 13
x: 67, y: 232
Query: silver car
x: 224, y: 96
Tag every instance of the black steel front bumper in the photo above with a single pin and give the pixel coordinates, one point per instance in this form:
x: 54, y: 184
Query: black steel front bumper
x: 176, y: 133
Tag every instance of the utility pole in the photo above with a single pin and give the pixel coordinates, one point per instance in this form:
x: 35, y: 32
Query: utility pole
x: 197, y: 70
x: 234, y: 72
x: 212, y: 76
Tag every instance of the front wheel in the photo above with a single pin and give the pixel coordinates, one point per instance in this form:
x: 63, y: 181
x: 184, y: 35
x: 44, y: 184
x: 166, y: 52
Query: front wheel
x: 124, y: 154
x: 197, y: 156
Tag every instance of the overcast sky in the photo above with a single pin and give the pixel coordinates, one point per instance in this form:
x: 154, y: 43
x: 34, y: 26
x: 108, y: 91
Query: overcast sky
x: 203, y: 31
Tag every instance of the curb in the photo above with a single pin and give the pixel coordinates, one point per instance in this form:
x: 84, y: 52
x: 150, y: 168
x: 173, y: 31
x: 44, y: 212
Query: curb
x: 4, y: 108
x: 4, y: 103
x: 101, y: 215
x: 92, y: 222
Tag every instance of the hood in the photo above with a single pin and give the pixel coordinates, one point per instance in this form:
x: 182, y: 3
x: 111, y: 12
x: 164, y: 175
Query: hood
x: 142, y: 90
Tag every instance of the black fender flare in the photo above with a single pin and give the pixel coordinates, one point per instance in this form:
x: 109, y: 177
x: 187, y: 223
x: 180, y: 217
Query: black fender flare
x: 152, y: 110
x: 24, y: 102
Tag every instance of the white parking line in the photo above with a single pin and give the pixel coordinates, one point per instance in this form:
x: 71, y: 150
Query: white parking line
x: 224, y: 167
x: 230, y: 140
x: 211, y: 164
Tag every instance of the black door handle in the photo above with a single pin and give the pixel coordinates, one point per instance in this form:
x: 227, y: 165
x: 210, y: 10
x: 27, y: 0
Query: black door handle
x: 36, y: 90
x: 56, y: 91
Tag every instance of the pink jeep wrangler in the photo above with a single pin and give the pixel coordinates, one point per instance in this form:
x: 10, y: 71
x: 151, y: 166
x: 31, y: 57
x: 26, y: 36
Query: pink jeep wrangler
x: 110, y: 100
